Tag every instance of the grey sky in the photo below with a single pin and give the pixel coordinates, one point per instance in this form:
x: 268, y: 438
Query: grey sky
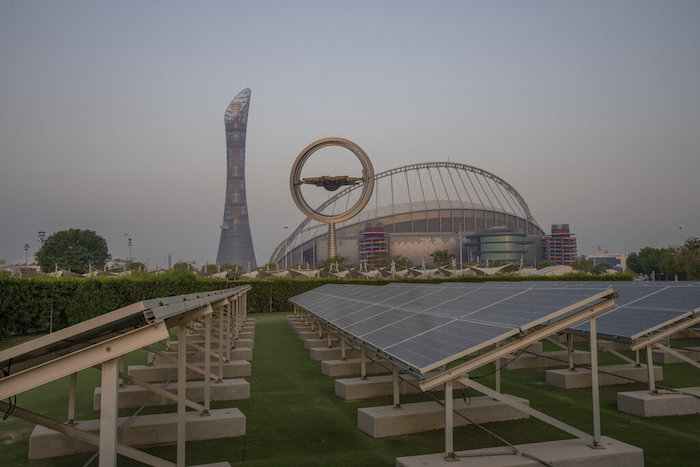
x: 111, y: 113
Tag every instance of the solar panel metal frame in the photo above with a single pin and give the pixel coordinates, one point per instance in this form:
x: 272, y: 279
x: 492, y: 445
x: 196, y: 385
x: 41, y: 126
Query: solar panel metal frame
x: 90, y: 333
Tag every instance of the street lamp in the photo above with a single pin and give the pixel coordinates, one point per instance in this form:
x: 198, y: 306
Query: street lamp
x: 42, y: 237
x: 129, y: 249
x: 286, y: 247
x: 26, y: 257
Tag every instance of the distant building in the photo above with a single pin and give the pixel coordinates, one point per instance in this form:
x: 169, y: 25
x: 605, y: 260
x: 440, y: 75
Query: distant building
x: 423, y: 208
x: 616, y: 262
x: 373, y: 246
x: 561, y: 245
x: 496, y: 245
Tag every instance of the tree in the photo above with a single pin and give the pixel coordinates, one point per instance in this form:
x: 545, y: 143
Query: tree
x: 441, y: 258
x: 182, y: 266
x: 328, y: 261
x: 402, y: 262
x: 210, y: 269
x: 599, y: 269
x: 584, y: 265
x: 647, y: 260
x: 73, y: 249
x: 545, y: 264
x: 232, y: 267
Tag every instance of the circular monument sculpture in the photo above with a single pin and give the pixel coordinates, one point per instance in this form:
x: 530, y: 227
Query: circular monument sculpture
x: 331, y: 183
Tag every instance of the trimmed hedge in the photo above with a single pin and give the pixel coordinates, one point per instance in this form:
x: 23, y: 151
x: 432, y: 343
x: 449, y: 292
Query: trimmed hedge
x: 26, y: 304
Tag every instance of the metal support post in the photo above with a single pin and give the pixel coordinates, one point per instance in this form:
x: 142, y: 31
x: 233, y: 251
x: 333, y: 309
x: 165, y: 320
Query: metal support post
x: 328, y: 332
x: 397, y: 392
x: 449, y: 422
x: 320, y: 330
x: 342, y: 347
x: 363, y: 364
x: 71, y: 398
x: 227, y: 330
x: 181, y: 391
x: 594, y: 383
x: 207, y: 363
x: 108, y: 413
x: 570, y: 351
x: 637, y: 361
x: 650, y: 371
x: 497, y: 362
x: 122, y: 366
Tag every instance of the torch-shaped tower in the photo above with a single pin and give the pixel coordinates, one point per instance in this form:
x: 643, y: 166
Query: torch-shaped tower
x: 236, y: 243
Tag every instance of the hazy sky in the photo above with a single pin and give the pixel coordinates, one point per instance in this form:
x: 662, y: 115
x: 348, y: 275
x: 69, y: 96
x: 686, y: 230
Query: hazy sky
x: 111, y: 113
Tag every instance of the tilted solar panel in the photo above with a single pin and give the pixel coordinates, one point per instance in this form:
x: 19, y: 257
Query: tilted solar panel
x: 424, y: 325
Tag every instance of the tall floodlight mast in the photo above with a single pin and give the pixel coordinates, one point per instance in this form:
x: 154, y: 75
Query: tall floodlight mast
x: 236, y: 242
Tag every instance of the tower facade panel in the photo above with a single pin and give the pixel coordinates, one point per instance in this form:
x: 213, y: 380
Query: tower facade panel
x: 236, y: 242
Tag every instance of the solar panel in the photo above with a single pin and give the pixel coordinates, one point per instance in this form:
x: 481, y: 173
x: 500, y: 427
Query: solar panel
x: 645, y: 308
x: 423, y: 325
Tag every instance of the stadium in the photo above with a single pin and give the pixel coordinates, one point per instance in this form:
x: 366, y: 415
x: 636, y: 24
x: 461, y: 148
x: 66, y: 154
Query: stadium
x: 418, y: 209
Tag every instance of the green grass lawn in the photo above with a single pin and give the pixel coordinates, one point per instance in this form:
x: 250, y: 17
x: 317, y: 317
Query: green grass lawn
x: 294, y: 418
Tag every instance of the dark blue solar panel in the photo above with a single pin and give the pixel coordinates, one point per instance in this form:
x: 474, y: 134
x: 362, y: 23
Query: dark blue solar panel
x: 445, y: 342
x: 630, y: 322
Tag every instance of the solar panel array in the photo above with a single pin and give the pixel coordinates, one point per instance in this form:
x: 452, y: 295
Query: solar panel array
x: 424, y: 326
x: 642, y: 309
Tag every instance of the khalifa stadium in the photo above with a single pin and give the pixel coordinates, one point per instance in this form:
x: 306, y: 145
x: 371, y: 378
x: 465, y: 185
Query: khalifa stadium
x: 418, y: 209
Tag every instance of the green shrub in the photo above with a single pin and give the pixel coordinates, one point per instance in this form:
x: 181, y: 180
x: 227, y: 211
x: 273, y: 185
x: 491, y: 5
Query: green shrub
x: 26, y: 304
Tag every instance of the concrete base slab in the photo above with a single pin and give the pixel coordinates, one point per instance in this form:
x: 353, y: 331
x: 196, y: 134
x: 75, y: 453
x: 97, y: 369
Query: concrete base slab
x: 321, y: 343
x: 564, y: 453
x: 135, y: 396
x: 160, y: 373
x: 244, y: 343
x: 239, y: 353
x: 320, y: 354
x: 581, y: 377
x: 351, y: 389
x: 544, y: 360
x: 350, y: 367
x: 643, y: 404
x: 246, y: 335
x: 659, y: 356
x: 380, y: 422
x: 306, y: 335
x: 144, y: 431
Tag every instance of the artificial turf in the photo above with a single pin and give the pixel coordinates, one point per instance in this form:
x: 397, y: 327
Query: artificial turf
x: 294, y: 418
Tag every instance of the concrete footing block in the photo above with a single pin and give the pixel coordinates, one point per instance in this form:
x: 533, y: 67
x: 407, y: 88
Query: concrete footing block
x: 160, y: 373
x: 135, y: 396
x: 239, y: 353
x: 350, y: 367
x: 659, y: 356
x: 351, y: 389
x: 320, y: 354
x: 244, y: 343
x: 564, y: 453
x: 543, y: 360
x: 305, y: 335
x: 643, y: 404
x: 581, y: 377
x: 380, y: 422
x: 144, y: 431
x: 320, y: 343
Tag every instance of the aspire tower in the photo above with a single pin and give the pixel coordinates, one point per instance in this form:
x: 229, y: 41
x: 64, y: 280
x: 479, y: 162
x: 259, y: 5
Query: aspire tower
x: 236, y: 242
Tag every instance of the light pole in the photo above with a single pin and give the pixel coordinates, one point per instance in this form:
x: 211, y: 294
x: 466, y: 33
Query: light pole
x: 42, y: 238
x: 26, y: 257
x: 130, y: 249
x: 126, y: 246
x: 461, y: 266
x: 286, y: 246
